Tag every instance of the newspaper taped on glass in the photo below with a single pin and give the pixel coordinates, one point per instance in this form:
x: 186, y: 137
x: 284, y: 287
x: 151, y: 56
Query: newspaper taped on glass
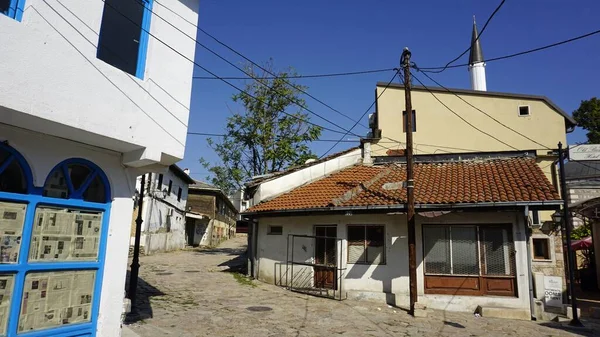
x: 12, y: 217
x: 6, y: 288
x: 52, y: 299
x: 65, y: 235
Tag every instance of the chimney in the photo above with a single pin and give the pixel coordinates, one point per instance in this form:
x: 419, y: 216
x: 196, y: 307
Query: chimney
x: 366, y: 153
x: 186, y: 171
x: 476, y: 64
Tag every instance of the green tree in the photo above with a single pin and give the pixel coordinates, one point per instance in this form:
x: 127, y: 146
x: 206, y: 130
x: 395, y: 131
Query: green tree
x: 588, y: 117
x: 271, y: 134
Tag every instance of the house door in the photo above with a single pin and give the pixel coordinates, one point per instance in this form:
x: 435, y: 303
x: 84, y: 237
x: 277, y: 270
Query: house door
x: 190, y: 226
x: 325, y: 257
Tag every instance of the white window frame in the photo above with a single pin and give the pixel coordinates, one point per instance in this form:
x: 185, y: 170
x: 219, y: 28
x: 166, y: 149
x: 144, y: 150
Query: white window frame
x: 528, y: 110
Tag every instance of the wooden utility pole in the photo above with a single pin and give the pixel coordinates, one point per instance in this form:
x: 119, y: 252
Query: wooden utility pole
x: 410, y: 185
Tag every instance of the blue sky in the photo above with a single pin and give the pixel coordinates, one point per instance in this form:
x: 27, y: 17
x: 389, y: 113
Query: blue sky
x: 338, y: 36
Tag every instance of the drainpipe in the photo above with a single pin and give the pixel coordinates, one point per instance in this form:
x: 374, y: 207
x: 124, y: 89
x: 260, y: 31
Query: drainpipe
x: 529, y: 271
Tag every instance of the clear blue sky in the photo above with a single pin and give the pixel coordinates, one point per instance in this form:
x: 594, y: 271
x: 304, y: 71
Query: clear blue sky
x: 337, y: 36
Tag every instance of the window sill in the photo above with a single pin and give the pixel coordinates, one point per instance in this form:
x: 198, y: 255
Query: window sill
x: 366, y: 263
x: 542, y: 260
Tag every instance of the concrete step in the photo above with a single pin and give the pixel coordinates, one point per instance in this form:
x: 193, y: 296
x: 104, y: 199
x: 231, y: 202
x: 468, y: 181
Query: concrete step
x: 503, y: 312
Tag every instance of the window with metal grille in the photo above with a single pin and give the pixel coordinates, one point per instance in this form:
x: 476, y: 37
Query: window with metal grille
x: 468, y: 250
x: 366, y: 244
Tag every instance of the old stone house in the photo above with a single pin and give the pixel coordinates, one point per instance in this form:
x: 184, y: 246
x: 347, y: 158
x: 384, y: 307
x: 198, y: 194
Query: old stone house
x: 211, y: 216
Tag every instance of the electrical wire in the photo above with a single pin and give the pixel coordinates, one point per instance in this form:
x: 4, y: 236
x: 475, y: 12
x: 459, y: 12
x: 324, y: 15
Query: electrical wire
x: 213, y: 74
x: 431, y: 69
x: 116, y: 54
x: 460, y: 117
x: 106, y: 77
x: 473, y: 42
x: 285, y: 79
x: 293, y: 101
x: 363, y: 115
x: 352, y: 73
x: 485, y: 113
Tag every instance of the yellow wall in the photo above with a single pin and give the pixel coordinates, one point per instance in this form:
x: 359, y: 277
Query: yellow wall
x: 439, y: 127
x: 440, y: 131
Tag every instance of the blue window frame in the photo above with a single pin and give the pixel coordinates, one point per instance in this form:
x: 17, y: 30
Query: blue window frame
x: 12, y: 8
x: 124, y: 35
x: 87, y: 192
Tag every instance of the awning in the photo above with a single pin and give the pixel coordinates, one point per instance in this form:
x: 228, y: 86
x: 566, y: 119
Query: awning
x: 196, y: 216
x: 582, y: 244
x: 588, y: 208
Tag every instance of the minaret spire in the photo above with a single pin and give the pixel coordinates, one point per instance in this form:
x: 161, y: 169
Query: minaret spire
x: 476, y: 64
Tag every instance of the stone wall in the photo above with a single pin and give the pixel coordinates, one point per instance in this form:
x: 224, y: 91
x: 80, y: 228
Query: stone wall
x: 555, y: 266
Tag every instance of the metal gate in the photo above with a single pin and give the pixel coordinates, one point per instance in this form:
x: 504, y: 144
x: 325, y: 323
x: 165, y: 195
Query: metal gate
x: 313, y: 265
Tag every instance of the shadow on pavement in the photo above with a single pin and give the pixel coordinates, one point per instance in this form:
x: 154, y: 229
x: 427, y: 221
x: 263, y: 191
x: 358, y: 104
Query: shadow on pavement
x: 590, y: 329
x: 142, y: 308
x: 238, y: 264
x: 220, y: 251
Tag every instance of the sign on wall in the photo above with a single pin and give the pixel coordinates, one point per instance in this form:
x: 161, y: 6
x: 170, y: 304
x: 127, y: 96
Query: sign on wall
x: 584, y: 152
x: 553, y: 290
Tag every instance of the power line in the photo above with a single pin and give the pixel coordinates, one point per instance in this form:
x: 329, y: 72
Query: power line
x: 478, y: 36
x: 105, y: 76
x: 213, y: 74
x: 351, y: 73
x: 293, y: 85
x: 462, y: 118
x: 290, y: 100
x: 485, y: 113
x: 431, y: 69
x: 363, y: 115
x: 267, y: 77
x: 126, y: 74
x: 224, y: 135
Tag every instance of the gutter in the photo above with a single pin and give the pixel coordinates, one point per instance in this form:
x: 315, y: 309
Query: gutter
x: 549, y: 205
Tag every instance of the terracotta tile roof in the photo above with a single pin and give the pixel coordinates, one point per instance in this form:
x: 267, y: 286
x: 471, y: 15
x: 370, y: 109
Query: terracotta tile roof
x: 496, y: 180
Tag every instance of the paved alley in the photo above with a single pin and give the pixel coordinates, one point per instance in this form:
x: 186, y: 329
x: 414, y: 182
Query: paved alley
x: 197, y: 293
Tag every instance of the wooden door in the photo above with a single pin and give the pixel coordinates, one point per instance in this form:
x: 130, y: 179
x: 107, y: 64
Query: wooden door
x: 325, y: 257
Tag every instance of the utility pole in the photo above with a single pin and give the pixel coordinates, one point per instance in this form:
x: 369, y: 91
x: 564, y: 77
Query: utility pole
x: 410, y: 184
x: 567, y: 223
x: 135, y: 264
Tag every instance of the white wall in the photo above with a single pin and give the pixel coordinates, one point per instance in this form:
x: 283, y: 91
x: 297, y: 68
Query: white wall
x: 160, y: 230
x: 275, y: 187
x: 391, y: 279
x: 43, y: 152
x: 47, y: 85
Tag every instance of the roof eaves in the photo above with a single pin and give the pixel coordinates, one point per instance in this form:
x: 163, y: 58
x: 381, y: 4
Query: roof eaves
x: 545, y: 99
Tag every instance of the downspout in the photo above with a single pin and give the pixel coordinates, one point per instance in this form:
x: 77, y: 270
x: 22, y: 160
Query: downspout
x: 529, y: 271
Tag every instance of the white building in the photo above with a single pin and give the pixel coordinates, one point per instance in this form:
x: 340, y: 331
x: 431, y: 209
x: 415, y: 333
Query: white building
x: 165, y: 198
x: 89, y: 100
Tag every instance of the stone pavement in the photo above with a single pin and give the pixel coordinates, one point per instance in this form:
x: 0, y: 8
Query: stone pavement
x: 198, y: 293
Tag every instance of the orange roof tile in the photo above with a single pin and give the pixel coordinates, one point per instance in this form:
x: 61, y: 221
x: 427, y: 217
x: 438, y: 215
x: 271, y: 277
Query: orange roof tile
x: 495, y: 180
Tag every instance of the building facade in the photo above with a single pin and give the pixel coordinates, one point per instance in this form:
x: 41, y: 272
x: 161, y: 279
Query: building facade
x: 346, y: 234
x: 165, y: 198
x: 211, y: 216
x: 78, y: 125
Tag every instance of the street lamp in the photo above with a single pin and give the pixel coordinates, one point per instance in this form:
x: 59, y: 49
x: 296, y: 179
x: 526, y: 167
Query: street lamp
x: 557, y: 217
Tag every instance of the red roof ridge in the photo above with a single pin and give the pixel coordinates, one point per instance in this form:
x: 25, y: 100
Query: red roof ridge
x: 360, y: 188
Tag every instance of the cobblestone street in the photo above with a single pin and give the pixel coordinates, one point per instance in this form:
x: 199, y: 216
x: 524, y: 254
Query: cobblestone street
x: 198, y: 293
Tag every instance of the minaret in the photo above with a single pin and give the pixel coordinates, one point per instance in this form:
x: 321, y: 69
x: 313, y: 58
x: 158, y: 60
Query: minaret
x: 476, y: 65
